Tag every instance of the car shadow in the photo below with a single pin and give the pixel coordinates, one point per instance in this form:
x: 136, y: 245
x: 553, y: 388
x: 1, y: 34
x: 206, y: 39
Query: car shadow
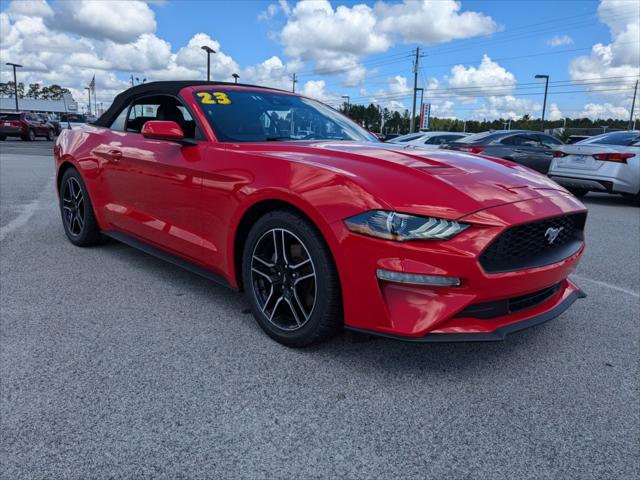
x: 364, y: 353
x: 607, y: 199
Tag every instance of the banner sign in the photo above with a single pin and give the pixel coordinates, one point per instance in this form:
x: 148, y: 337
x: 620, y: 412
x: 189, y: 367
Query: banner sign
x: 425, y: 115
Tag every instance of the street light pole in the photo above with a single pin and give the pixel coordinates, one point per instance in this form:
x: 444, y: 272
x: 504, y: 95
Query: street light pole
x: 209, y: 51
x: 88, y: 89
x: 633, y: 104
x: 235, y: 77
x: 544, y: 103
x: 348, y: 103
x: 15, y: 81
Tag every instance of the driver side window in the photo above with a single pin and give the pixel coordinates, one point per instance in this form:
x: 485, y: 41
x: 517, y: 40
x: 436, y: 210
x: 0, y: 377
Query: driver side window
x: 159, y: 107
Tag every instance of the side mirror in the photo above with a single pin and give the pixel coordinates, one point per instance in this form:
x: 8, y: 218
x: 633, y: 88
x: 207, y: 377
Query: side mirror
x: 165, y: 130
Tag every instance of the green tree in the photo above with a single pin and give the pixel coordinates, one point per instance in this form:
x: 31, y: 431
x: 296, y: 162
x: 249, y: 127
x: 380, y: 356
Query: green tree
x: 34, y: 90
x: 54, y: 92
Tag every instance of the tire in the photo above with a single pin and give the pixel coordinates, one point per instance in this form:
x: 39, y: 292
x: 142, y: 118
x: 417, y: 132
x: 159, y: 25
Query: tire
x: 297, y: 301
x: 3, y: 138
x: 30, y: 136
x: 78, y: 219
x: 578, y: 192
x: 50, y: 135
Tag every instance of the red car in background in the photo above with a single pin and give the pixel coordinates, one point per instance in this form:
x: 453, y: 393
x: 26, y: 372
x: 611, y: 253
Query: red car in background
x: 25, y: 125
x: 320, y: 224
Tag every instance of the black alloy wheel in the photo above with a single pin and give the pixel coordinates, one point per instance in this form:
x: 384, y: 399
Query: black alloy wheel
x: 283, y: 278
x: 291, y: 281
x: 78, y: 219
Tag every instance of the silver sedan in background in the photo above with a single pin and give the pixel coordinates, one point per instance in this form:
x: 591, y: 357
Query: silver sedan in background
x: 606, y: 163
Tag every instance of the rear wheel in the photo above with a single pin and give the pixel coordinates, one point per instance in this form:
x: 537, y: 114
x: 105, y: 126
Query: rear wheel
x: 78, y: 219
x: 30, y: 136
x: 3, y: 138
x: 50, y: 135
x: 291, y: 281
x: 578, y: 192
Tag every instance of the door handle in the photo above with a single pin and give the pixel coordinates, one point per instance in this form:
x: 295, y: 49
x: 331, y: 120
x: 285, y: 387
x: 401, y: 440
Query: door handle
x: 115, y: 155
x: 518, y: 150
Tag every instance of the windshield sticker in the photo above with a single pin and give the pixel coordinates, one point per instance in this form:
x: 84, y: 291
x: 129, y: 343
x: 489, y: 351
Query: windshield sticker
x: 213, y: 98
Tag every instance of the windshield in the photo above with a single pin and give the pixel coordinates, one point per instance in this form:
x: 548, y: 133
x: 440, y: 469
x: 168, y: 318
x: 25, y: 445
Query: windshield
x: 257, y: 116
x: 614, y: 138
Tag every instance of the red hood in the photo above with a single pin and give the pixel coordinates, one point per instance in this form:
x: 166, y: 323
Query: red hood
x: 448, y: 184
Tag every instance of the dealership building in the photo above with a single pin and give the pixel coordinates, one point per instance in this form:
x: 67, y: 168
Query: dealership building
x: 26, y: 104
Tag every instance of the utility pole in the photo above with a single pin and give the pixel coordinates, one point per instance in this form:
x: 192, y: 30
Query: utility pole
x: 633, y: 105
x: 15, y: 81
x: 412, y: 122
x: 294, y: 80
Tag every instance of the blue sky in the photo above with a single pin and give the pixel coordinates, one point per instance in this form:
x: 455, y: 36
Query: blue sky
x: 481, y: 56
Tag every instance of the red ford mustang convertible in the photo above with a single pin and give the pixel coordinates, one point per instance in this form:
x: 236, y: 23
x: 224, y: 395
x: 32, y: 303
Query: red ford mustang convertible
x: 320, y: 224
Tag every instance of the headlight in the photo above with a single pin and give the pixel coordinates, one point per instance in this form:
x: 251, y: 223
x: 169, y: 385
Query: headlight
x: 401, y: 227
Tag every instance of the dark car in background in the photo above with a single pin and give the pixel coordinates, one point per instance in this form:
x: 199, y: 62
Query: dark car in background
x: 528, y: 148
x: 54, y: 122
x: 25, y: 125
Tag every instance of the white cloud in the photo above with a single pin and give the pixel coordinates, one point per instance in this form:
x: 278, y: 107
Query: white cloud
x: 148, y: 52
x: 398, y: 85
x: 121, y: 22
x: 620, y: 58
x: 269, y: 13
x: 596, y: 111
x: 271, y: 73
x: 318, y: 89
x: 431, y: 21
x: 507, y: 106
x: 554, y: 113
x: 559, y: 40
x: 488, y: 78
x: 315, y: 31
x: 30, y: 8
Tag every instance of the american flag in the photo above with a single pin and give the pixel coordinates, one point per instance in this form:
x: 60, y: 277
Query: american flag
x: 92, y: 85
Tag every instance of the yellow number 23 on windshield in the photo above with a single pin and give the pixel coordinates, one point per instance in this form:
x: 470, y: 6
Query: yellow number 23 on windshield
x: 213, y: 98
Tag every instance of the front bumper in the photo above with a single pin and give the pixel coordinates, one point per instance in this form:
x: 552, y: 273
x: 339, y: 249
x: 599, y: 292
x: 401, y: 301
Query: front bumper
x: 570, y: 294
x: 418, y: 312
x: 596, y: 183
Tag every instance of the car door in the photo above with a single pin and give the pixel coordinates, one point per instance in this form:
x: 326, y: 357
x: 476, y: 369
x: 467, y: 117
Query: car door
x: 526, y: 149
x: 153, y: 186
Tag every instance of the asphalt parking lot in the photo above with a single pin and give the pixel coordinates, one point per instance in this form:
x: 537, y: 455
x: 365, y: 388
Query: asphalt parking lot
x: 117, y: 365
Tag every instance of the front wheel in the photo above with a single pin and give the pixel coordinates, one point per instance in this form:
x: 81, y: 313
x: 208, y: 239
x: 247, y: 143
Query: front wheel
x: 78, y: 219
x: 291, y: 281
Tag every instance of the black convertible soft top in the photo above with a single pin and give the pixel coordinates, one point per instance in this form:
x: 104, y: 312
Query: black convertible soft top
x: 166, y: 87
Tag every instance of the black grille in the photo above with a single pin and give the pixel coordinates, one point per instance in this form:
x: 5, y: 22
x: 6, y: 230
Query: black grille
x: 499, y: 308
x: 528, y: 246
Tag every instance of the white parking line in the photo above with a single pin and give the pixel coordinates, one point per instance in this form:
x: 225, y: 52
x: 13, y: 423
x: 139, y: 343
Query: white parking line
x: 27, y: 211
x: 607, y: 285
